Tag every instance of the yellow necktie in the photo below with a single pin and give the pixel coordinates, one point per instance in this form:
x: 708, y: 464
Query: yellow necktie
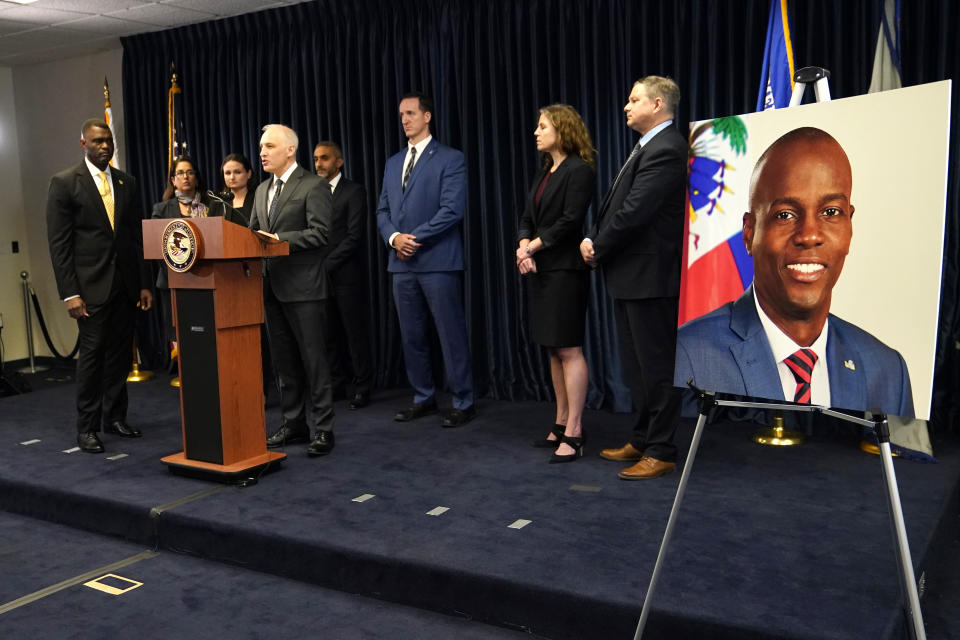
x: 106, y: 196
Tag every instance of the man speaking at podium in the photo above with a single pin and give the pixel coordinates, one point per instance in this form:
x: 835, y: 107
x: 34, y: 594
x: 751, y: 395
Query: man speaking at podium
x: 294, y: 206
x: 96, y: 246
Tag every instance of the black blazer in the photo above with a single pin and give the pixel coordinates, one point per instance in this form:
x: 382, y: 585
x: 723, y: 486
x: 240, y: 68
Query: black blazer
x: 171, y: 209
x: 348, y: 229
x: 87, y: 254
x: 246, y: 209
x: 638, y: 236
x: 558, y: 221
x: 303, y: 220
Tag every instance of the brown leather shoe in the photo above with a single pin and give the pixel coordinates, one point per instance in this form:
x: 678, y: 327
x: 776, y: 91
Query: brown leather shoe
x: 626, y: 452
x: 648, y: 468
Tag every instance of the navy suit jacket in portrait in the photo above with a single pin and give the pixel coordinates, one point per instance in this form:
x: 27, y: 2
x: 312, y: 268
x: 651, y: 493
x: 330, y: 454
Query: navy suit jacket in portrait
x: 727, y: 350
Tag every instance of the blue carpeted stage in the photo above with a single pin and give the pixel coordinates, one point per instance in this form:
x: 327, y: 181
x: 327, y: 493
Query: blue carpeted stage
x: 771, y: 543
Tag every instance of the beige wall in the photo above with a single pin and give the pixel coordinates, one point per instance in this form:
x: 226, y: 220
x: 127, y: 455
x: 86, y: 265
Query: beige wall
x: 50, y: 102
x: 12, y: 226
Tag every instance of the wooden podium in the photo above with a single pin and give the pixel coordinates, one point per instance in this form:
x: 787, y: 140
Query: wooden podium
x: 217, y: 311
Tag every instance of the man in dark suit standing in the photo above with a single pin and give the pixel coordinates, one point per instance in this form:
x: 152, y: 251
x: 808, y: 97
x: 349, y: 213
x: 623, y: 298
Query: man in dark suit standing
x: 637, y: 240
x: 422, y: 202
x: 347, y: 313
x: 294, y: 207
x: 96, y: 246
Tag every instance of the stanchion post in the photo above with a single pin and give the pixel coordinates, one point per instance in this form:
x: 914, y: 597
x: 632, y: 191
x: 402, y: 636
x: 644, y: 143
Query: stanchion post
x: 28, y: 316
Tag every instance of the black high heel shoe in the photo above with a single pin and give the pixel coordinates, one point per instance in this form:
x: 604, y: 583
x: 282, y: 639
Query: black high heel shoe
x: 547, y: 442
x: 575, y: 443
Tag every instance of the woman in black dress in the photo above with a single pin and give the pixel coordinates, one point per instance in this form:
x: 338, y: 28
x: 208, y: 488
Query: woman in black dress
x: 549, y: 255
x: 238, y: 183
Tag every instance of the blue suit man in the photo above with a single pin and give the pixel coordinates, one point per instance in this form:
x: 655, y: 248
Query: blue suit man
x: 422, y: 202
x: 798, y: 231
x: 727, y: 350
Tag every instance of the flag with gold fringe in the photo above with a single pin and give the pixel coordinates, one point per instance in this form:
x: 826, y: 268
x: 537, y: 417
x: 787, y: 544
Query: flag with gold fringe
x: 776, y: 77
x: 108, y: 118
x: 176, y: 132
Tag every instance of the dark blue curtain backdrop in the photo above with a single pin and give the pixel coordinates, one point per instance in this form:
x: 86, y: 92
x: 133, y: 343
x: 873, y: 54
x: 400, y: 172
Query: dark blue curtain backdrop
x: 336, y: 71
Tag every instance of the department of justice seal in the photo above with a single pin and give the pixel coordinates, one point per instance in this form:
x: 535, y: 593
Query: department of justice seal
x: 180, y: 245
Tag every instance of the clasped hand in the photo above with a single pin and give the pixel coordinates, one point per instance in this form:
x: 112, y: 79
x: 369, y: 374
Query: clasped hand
x: 405, y: 245
x: 525, y: 262
x: 587, y: 253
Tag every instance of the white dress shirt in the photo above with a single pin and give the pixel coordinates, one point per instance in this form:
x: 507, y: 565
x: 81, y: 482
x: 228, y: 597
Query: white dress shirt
x: 782, y: 347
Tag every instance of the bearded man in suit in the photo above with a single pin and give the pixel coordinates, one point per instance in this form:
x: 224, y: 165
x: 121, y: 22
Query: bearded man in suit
x: 347, y: 313
x: 94, y: 229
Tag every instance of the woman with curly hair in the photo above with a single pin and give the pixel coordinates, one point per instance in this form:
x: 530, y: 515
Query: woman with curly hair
x: 549, y: 256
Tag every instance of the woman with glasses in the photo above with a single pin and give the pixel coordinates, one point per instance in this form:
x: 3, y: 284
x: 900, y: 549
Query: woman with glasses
x: 548, y: 256
x: 190, y: 201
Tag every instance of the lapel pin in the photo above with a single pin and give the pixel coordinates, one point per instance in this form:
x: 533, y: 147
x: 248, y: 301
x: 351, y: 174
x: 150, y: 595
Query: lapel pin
x: 849, y: 365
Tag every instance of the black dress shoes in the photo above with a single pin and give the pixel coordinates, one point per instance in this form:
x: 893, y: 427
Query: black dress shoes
x: 89, y: 442
x: 322, y: 444
x: 122, y: 429
x: 415, y: 411
x: 288, y: 434
x: 359, y: 400
x: 459, y: 417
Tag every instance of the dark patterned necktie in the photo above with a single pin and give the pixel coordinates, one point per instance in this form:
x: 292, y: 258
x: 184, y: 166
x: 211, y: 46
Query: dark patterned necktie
x: 406, y: 174
x: 801, y: 365
x: 272, y: 214
x: 633, y: 154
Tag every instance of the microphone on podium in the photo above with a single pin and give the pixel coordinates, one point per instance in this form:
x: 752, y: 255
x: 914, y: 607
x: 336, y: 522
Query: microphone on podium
x: 226, y: 197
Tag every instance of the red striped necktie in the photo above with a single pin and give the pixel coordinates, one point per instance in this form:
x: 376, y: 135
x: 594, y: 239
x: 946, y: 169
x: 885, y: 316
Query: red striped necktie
x: 801, y: 364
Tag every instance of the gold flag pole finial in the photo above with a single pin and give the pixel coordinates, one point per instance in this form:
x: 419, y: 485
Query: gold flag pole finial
x: 106, y: 92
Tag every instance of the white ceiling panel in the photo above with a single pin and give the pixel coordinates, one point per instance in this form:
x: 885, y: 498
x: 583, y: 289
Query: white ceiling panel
x: 89, y: 6
x: 45, y: 38
x: 55, y: 29
x: 108, y: 25
x: 224, y: 8
x: 163, y: 15
x: 7, y: 27
x: 37, y: 14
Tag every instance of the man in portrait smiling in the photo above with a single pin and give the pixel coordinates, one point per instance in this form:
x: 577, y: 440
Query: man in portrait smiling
x: 779, y: 340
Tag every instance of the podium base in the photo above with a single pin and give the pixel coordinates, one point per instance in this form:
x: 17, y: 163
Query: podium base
x: 230, y: 473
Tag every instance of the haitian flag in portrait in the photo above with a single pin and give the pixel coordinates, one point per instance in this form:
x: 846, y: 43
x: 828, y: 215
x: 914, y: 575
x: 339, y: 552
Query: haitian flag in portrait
x: 717, y: 267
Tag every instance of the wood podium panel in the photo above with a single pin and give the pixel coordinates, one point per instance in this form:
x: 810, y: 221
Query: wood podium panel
x: 217, y: 311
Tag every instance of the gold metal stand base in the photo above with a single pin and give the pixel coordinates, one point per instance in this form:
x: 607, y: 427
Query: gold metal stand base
x: 868, y: 447
x: 175, y: 382
x: 136, y: 375
x: 777, y: 435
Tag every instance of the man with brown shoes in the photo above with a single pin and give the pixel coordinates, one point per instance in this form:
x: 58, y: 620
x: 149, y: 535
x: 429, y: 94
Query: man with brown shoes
x: 638, y: 241
x: 646, y: 467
